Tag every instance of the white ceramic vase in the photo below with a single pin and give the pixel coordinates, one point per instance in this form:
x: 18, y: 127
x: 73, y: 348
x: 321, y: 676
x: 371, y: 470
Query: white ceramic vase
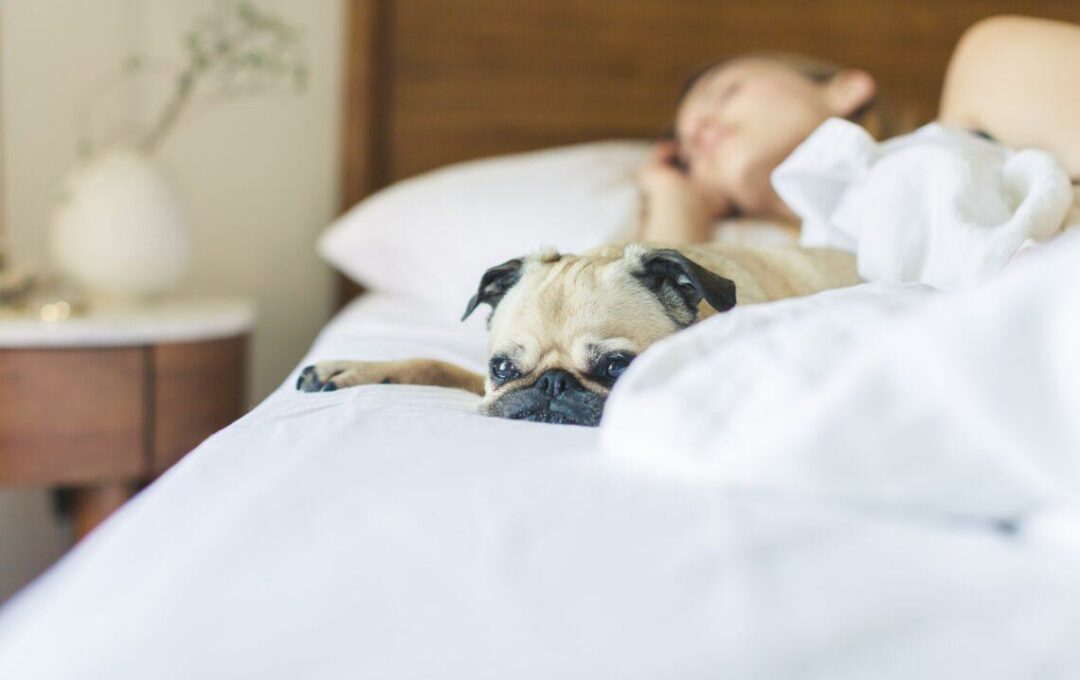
x: 119, y: 229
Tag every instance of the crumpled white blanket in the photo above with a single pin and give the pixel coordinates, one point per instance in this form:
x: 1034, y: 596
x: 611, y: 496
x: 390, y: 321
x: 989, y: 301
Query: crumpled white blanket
x: 882, y: 396
x: 938, y: 206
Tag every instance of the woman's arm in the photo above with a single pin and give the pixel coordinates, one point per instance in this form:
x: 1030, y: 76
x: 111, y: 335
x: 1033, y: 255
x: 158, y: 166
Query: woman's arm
x: 1018, y: 79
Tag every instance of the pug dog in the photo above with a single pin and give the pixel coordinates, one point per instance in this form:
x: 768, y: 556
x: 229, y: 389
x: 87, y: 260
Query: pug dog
x: 563, y: 328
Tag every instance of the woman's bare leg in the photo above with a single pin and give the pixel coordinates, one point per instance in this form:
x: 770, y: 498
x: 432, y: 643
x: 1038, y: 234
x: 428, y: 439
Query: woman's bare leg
x: 1018, y: 79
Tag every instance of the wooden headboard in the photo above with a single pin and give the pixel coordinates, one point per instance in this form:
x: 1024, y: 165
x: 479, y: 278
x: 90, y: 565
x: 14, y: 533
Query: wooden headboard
x: 431, y: 82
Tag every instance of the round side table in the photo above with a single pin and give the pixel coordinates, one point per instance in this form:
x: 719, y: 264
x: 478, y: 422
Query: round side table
x: 101, y: 404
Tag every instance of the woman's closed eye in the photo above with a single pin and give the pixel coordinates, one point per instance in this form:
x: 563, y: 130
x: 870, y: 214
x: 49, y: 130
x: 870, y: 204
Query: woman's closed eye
x: 728, y: 91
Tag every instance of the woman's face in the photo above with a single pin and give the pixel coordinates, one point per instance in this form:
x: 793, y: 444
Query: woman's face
x: 741, y: 120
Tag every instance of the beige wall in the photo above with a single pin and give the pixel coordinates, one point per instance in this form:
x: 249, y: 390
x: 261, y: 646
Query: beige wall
x: 260, y: 177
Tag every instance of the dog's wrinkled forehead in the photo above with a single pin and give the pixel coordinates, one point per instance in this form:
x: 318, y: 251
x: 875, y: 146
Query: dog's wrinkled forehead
x: 563, y: 299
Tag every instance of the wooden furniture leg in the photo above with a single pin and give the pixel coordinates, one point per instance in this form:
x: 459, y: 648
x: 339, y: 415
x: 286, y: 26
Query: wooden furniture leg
x: 92, y: 504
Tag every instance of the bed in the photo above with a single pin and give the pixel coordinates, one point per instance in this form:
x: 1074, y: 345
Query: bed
x: 914, y: 518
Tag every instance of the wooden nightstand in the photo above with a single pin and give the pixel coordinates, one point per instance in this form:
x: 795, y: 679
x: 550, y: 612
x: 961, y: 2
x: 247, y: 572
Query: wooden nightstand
x: 103, y: 404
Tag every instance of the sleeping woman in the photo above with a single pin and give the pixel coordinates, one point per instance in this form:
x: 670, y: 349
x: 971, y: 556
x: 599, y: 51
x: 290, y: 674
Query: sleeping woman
x: 790, y: 139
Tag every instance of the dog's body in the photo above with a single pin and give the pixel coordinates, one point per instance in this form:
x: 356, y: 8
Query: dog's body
x: 563, y: 327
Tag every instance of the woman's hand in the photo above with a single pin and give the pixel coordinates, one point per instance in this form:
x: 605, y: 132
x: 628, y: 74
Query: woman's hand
x: 676, y: 211
x: 662, y: 174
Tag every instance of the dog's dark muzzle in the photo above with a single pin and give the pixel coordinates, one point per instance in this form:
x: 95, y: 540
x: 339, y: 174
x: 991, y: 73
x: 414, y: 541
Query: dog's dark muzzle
x: 555, y: 397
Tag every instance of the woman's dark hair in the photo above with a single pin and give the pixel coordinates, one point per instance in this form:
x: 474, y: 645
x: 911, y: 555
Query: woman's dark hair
x: 876, y: 115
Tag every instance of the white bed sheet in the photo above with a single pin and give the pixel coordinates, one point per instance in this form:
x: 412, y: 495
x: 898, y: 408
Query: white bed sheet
x: 391, y: 532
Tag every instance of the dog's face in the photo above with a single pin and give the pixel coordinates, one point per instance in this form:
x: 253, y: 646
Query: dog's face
x: 564, y: 327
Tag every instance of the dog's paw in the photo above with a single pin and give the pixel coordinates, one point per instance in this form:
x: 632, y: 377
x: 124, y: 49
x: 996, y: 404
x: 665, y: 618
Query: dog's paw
x: 327, y: 376
x: 317, y: 377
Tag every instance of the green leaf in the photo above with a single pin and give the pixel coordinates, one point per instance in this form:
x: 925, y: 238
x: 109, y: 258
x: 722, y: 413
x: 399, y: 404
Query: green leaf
x: 246, y: 12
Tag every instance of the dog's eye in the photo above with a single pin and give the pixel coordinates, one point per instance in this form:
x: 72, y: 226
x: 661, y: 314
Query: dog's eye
x: 503, y: 369
x: 615, y: 366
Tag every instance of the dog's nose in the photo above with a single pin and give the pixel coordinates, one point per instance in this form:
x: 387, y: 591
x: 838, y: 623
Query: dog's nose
x: 554, y: 382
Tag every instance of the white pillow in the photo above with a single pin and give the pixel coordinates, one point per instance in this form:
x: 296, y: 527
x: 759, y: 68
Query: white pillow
x: 431, y: 237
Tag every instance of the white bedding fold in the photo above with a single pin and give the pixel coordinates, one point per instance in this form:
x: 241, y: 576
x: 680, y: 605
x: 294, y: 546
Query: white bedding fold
x: 942, y: 405
x: 938, y: 206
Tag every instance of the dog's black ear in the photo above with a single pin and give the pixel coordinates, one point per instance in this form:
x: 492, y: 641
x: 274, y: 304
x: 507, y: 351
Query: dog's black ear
x: 494, y: 284
x: 681, y: 284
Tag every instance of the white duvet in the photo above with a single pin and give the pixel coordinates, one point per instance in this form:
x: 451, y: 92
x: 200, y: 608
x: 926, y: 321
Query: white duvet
x: 938, y: 206
x: 882, y: 394
x: 390, y: 532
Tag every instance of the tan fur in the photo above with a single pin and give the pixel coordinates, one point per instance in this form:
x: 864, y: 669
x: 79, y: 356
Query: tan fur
x: 763, y: 274
x: 566, y: 310
x: 406, y: 372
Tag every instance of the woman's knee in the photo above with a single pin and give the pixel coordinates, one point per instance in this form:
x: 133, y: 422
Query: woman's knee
x: 992, y: 29
x: 990, y: 34
x: 977, y: 63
